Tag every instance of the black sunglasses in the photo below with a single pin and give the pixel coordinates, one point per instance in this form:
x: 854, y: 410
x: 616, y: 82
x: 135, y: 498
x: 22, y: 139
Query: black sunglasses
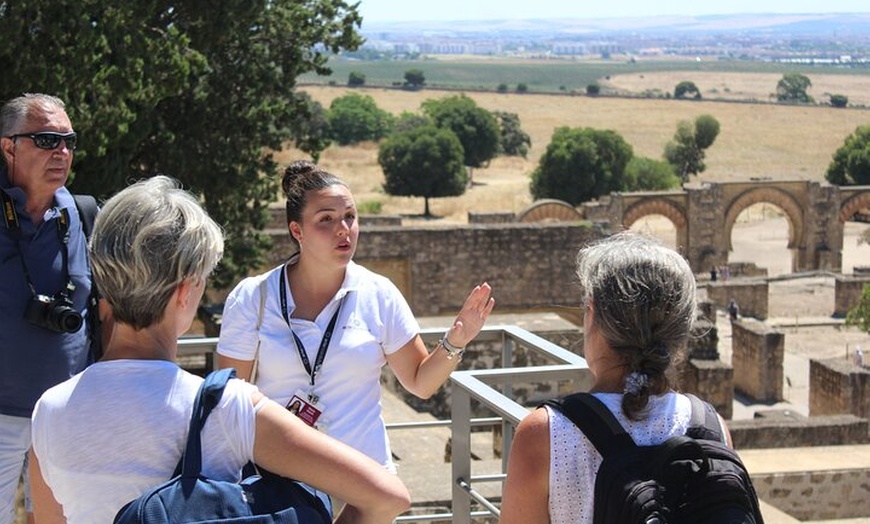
x: 50, y: 140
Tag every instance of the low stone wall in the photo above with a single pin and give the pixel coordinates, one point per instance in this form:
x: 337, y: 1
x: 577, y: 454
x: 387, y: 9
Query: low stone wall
x: 837, y: 385
x: 757, y: 354
x: 817, y: 495
x: 492, y: 218
x: 751, y: 296
x: 789, y: 429
x: 529, y: 266
x: 847, y: 292
x: 711, y: 380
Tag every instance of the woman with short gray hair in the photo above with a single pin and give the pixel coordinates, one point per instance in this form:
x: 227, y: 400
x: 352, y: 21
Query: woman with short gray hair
x: 107, y: 435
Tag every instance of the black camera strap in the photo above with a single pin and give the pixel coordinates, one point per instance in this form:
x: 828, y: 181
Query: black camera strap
x: 10, y: 216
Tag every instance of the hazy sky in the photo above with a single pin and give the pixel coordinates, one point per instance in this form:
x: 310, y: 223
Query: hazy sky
x: 398, y: 10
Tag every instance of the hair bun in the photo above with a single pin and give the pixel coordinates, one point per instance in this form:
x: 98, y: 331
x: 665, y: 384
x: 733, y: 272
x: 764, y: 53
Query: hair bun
x: 294, y: 171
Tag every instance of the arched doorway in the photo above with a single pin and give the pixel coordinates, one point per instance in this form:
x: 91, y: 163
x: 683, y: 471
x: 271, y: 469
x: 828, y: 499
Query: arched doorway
x: 760, y: 236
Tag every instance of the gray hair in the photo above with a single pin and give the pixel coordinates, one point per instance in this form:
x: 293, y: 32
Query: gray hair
x: 643, y: 297
x: 17, y: 111
x: 148, y: 239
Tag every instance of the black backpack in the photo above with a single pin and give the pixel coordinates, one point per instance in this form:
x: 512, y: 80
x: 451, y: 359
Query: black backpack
x: 693, y: 478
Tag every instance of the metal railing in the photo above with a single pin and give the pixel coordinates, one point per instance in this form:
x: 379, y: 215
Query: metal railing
x: 491, y: 388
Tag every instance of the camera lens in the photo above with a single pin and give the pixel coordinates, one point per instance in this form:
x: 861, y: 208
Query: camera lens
x: 68, y: 321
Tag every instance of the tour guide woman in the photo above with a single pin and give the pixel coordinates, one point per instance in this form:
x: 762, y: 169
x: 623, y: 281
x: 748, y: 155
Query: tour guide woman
x: 329, y: 325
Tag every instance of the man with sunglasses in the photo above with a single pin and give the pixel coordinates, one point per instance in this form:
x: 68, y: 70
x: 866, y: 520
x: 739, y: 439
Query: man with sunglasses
x: 46, y: 281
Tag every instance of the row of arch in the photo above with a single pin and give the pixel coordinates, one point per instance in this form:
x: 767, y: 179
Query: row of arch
x: 673, y: 206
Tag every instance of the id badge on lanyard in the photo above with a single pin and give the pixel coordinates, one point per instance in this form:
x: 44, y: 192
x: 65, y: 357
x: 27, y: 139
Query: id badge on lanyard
x: 306, y: 406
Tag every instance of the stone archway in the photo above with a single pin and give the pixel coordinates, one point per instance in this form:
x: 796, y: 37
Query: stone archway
x: 660, y: 206
x: 771, y: 195
x: 853, y: 205
x: 550, y: 210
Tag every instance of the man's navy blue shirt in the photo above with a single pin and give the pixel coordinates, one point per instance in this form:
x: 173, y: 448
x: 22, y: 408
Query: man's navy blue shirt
x: 32, y: 358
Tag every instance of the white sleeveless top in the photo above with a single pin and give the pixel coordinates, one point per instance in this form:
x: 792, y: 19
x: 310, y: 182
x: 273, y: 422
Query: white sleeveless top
x: 574, y: 461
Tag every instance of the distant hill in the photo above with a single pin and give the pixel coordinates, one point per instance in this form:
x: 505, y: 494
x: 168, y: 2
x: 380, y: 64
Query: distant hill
x: 853, y: 25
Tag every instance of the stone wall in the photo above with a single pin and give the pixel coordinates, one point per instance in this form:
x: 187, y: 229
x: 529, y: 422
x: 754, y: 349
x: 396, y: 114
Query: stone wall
x: 757, y: 357
x: 790, y: 429
x: 751, y: 296
x: 817, y: 495
x: 712, y: 381
x: 529, y: 266
x: 847, y: 292
x: 839, y: 386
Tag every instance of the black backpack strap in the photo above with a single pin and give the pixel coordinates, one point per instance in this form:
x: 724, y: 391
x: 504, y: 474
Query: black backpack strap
x: 210, y: 393
x: 595, y: 420
x: 87, y: 207
x: 705, y: 423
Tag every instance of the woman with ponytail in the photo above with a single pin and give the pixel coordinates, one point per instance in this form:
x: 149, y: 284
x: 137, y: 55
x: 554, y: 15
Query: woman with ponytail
x: 640, y: 305
x: 317, y: 330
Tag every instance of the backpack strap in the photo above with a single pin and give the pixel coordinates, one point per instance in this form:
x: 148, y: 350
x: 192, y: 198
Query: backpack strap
x: 595, y: 420
x: 705, y: 423
x: 87, y: 207
x: 210, y: 393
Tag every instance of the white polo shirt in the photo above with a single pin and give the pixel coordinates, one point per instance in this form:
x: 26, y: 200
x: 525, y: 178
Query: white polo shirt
x: 374, y: 321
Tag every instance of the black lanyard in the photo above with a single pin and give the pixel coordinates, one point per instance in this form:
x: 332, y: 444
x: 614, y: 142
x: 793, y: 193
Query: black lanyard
x: 10, y: 217
x: 324, y: 342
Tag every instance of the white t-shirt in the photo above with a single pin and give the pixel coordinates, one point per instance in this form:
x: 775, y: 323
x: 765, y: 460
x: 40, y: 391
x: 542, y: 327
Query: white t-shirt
x: 374, y: 321
x: 118, y: 428
x: 574, y: 461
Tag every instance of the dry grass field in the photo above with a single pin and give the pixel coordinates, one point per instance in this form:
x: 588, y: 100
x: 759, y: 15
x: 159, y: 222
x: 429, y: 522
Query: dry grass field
x: 756, y: 140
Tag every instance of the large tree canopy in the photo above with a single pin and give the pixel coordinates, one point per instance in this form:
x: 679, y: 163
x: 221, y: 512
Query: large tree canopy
x: 792, y: 87
x: 686, y: 151
x: 423, y: 161
x: 354, y: 118
x: 581, y: 164
x: 476, y: 128
x: 198, y: 91
x: 851, y: 163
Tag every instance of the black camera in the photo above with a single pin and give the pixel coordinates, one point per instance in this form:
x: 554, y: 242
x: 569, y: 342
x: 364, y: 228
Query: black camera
x: 53, y: 313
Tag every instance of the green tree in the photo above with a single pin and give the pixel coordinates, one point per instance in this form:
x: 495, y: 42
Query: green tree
x: 172, y: 87
x: 415, y: 79
x: 593, y: 89
x: 647, y: 174
x: 476, y: 128
x: 408, y: 121
x: 581, y: 164
x: 425, y: 161
x: 685, y: 152
x: 354, y: 118
x: 859, y: 315
x: 792, y: 87
x: 851, y: 163
x: 839, y: 100
x: 356, y: 79
x: 514, y: 141
x: 685, y: 88
x: 502, y: 88
x: 312, y: 133
x: 522, y: 87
